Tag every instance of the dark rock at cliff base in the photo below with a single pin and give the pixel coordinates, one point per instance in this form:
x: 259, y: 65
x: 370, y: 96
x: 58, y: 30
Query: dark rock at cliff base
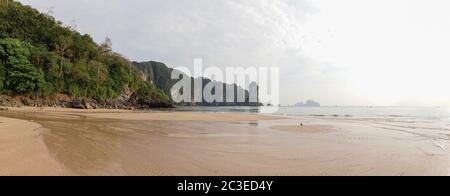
x: 77, y: 103
x: 128, y: 101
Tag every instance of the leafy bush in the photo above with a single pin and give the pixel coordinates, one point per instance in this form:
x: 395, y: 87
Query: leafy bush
x: 21, y: 75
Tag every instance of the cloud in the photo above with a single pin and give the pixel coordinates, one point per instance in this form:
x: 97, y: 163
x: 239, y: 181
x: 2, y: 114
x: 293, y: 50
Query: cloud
x: 348, y: 52
x: 170, y: 29
x: 222, y: 32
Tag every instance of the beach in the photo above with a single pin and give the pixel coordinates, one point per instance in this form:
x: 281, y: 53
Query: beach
x: 52, y: 141
x: 23, y: 151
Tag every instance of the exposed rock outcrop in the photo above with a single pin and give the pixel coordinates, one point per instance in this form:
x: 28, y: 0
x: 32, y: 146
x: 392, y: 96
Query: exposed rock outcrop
x: 160, y: 75
x: 128, y: 100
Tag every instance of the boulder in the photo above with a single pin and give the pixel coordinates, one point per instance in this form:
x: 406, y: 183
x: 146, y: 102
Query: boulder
x: 82, y: 103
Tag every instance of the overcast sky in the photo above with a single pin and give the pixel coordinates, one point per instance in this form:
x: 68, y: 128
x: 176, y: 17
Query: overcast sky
x: 346, y: 52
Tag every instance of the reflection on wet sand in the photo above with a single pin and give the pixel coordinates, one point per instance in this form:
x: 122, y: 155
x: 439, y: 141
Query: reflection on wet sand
x: 102, y: 144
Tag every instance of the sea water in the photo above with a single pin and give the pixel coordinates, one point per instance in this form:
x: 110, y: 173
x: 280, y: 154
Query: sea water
x: 411, y: 118
x: 435, y: 113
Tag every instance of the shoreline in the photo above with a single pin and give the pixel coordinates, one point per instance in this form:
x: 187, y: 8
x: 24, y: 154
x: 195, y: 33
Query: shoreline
x: 26, y: 137
x: 121, y: 143
x: 156, y: 115
x: 22, y: 150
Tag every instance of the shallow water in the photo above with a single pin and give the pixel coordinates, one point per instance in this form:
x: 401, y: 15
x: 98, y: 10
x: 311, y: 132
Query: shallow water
x: 354, y: 146
x: 426, y: 119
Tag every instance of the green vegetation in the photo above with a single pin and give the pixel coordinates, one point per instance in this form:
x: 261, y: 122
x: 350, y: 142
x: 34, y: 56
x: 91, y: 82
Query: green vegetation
x: 41, y: 57
x: 19, y: 75
x: 160, y: 75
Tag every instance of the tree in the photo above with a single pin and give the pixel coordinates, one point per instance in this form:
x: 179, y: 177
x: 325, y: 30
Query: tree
x: 49, y: 13
x: 62, y: 48
x: 101, y: 72
x: 73, y: 25
x: 21, y: 75
x: 71, y: 63
x: 7, y: 3
x: 106, y: 46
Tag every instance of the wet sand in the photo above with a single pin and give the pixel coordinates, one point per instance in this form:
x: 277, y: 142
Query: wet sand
x: 23, y: 152
x: 100, y: 142
x: 305, y: 129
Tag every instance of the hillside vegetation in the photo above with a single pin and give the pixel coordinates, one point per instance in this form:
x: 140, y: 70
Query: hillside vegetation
x: 159, y: 74
x: 41, y: 58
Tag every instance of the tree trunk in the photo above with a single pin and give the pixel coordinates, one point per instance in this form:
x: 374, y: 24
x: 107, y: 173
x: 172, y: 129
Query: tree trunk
x: 98, y: 76
x: 61, y: 67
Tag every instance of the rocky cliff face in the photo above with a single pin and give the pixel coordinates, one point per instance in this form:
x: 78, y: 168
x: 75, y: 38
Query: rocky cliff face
x: 160, y: 75
x: 128, y: 100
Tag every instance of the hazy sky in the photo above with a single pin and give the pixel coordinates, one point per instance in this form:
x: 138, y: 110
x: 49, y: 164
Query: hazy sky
x: 346, y: 52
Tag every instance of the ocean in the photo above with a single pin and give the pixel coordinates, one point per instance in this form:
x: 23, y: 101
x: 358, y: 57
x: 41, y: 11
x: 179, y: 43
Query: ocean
x: 432, y: 113
x: 417, y: 118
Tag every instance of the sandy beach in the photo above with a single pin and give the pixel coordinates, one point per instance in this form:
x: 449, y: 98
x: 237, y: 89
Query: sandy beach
x: 52, y: 141
x: 23, y: 151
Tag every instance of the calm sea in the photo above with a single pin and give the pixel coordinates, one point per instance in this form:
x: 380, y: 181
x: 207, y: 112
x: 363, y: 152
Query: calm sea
x: 432, y: 118
x: 363, y: 112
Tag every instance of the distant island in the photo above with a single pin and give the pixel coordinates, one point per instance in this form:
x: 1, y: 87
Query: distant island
x: 308, y: 103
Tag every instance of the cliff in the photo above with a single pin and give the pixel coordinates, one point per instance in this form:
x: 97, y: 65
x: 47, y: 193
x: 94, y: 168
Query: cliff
x: 160, y: 75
